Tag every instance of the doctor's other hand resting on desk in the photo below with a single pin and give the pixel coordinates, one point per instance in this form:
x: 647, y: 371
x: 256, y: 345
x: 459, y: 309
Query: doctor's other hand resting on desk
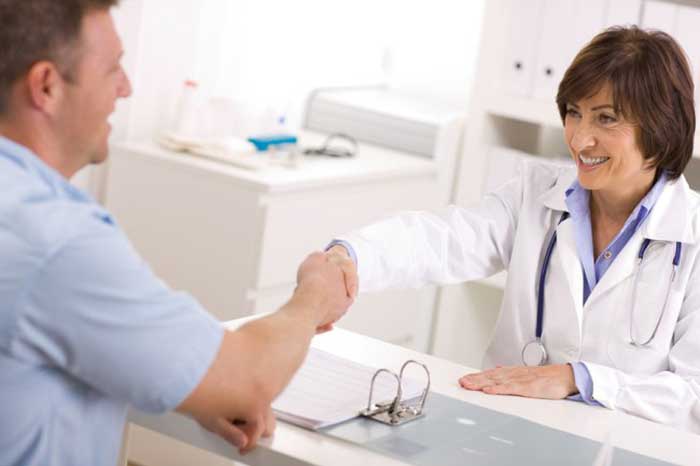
x: 602, y: 300
x: 87, y: 330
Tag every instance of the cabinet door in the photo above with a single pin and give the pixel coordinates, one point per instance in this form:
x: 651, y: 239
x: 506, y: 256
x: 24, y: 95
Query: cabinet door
x: 688, y: 35
x: 623, y: 12
x: 519, y: 58
x: 556, y: 47
x: 301, y: 222
x: 561, y: 39
x: 401, y: 317
x: 660, y: 15
x: 590, y: 20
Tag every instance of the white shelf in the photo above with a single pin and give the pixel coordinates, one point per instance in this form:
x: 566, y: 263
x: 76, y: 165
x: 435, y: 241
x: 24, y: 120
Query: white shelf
x: 541, y: 112
x: 524, y: 109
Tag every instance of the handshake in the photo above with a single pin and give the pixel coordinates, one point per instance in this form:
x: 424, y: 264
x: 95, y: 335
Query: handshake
x: 329, y: 281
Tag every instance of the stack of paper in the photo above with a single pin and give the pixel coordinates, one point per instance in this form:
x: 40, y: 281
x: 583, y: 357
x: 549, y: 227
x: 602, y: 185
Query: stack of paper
x: 328, y: 389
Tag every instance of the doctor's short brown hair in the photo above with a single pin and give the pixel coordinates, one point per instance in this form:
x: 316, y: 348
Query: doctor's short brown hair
x: 37, y: 30
x: 652, y: 86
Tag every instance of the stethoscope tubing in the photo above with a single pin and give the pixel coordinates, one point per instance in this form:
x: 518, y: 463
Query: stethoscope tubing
x: 539, y: 328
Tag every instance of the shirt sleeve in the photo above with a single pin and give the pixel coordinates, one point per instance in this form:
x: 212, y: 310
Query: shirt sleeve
x: 584, y: 384
x: 346, y: 245
x: 95, y: 310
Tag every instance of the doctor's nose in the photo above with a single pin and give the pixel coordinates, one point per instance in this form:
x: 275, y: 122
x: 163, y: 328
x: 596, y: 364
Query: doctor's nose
x: 583, y: 138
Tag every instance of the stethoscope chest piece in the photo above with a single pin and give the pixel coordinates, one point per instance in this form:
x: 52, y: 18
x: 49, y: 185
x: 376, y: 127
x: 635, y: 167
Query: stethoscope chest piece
x: 534, y: 353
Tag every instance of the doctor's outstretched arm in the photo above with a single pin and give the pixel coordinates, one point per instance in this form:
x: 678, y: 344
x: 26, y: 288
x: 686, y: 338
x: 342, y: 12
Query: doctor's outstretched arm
x: 412, y: 249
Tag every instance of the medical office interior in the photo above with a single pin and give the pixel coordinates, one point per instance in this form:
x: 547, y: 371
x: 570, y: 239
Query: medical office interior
x: 223, y: 175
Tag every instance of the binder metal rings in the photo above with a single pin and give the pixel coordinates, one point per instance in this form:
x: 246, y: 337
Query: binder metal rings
x: 396, y: 412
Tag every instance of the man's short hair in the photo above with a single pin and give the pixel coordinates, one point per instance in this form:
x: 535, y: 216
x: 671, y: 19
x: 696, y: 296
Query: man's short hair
x: 651, y: 85
x: 36, y: 30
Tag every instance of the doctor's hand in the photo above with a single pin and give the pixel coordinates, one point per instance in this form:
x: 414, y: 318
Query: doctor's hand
x: 339, y: 255
x: 553, y: 382
x: 320, y: 280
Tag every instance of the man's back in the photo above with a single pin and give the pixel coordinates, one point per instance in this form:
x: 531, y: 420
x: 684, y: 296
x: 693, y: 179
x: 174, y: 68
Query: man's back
x: 72, y: 293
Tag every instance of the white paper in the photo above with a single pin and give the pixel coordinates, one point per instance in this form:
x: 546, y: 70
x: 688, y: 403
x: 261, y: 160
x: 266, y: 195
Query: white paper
x: 329, y: 389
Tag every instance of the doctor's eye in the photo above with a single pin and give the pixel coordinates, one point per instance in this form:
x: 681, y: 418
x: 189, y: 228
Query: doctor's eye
x: 606, y: 119
x: 572, y: 112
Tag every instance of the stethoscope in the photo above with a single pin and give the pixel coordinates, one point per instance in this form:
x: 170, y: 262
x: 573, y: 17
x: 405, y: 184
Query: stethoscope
x: 534, y: 352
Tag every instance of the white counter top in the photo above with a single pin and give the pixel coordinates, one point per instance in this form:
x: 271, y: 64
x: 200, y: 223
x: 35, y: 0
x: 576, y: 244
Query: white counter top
x: 371, y: 163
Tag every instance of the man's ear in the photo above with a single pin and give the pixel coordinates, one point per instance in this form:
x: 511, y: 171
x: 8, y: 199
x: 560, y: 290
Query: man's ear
x: 45, y: 86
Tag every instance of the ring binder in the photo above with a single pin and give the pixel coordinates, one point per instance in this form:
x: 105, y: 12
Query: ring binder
x: 394, y: 412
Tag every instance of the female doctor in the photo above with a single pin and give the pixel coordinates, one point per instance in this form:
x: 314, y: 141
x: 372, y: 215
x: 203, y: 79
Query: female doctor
x: 602, y: 301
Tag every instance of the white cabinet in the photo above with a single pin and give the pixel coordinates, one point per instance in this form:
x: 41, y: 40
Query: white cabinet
x: 519, y: 54
x: 542, y: 39
x: 555, y: 47
x: 688, y: 34
x: 660, y: 15
x: 623, y: 12
x: 234, y: 238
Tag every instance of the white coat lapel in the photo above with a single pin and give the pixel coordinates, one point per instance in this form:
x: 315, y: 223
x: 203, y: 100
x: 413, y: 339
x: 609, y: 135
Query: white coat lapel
x: 565, y: 250
x: 568, y: 258
x: 622, y: 267
x: 668, y: 221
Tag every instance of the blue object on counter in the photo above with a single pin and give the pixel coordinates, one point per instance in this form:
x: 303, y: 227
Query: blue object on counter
x: 263, y: 143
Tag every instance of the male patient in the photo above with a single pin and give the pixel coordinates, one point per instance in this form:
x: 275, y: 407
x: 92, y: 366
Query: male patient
x: 86, y: 329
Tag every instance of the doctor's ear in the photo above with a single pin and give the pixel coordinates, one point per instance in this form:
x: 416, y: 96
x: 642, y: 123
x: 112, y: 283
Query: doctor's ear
x: 45, y: 87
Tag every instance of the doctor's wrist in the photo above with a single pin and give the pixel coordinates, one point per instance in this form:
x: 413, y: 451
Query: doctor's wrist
x: 569, y: 378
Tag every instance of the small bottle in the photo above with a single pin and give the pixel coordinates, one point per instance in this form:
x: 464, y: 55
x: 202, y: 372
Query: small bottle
x: 185, y: 123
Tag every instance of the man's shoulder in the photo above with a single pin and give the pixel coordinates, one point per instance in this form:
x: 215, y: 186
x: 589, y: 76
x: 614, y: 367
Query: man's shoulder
x: 35, y: 219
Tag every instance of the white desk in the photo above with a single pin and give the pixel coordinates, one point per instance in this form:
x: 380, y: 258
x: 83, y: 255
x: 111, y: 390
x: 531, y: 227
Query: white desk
x: 291, y: 446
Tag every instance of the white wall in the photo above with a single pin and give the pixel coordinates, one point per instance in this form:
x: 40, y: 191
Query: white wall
x: 272, y: 52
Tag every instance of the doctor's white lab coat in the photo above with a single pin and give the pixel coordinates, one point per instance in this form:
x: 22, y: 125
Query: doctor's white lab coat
x: 510, y: 229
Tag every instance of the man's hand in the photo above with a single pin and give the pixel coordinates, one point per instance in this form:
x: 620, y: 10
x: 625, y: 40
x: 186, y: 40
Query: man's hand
x: 320, y: 279
x: 243, y: 434
x: 339, y: 255
x: 552, y: 382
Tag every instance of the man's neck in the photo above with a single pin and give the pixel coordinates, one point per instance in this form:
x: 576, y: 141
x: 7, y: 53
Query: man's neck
x: 47, y: 150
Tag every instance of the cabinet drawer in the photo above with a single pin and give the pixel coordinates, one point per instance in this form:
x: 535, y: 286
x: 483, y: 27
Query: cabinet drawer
x: 297, y: 224
x: 401, y: 317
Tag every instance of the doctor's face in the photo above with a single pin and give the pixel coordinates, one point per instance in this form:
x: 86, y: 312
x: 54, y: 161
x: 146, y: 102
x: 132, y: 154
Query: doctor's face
x: 604, y: 145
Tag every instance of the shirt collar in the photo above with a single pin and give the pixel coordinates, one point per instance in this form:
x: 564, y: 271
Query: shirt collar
x: 577, y: 200
x: 672, y: 219
x: 33, y: 165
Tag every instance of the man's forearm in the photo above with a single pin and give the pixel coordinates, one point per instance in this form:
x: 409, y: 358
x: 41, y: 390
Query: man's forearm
x: 256, y: 361
x: 276, y: 345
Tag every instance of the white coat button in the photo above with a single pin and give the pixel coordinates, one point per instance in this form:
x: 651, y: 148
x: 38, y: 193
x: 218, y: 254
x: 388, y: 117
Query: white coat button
x: 607, y: 255
x: 572, y: 352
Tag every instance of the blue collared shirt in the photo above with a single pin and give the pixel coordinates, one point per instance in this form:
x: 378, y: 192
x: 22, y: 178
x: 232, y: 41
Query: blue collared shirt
x: 578, y: 203
x: 577, y: 200
x: 86, y: 329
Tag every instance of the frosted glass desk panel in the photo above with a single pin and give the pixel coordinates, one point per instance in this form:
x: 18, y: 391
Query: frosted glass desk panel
x: 562, y: 421
x: 456, y: 433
